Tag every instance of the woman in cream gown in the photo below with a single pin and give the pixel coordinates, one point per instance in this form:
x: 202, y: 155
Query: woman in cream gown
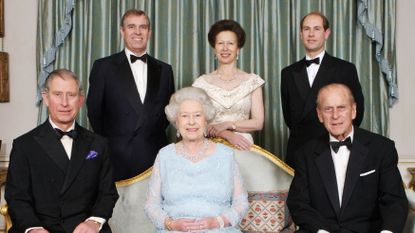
x: 236, y: 95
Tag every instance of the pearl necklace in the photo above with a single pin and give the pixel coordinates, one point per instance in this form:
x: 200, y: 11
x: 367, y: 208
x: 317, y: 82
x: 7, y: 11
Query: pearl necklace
x: 235, y: 75
x: 196, y: 156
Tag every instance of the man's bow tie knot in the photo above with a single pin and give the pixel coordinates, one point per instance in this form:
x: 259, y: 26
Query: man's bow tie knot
x: 135, y: 58
x: 336, y: 145
x: 60, y: 133
x: 315, y: 60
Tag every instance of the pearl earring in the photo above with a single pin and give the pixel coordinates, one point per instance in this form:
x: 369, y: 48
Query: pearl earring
x: 178, y: 134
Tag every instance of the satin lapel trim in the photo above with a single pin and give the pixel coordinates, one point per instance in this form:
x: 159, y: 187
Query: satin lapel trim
x: 153, y: 80
x: 126, y: 78
x: 301, y: 80
x: 325, y: 166
x: 80, y: 147
x: 54, y: 149
x: 322, y: 78
x: 357, y: 158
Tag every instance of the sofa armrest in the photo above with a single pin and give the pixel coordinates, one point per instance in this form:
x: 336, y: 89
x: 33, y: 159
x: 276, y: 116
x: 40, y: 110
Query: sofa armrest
x: 7, y: 219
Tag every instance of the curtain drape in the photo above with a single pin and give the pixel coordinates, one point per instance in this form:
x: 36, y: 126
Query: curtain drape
x: 179, y: 37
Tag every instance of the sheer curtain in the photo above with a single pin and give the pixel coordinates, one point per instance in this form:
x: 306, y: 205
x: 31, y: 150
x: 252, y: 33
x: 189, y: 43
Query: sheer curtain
x: 179, y: 37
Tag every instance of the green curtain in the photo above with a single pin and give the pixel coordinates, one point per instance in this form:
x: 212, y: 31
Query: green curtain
x: 179, y: 37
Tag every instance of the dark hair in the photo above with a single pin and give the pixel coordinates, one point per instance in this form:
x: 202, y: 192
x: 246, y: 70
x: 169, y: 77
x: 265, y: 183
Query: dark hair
x: 226, y: 25
x: 63, y: 74
x: 326, y: 23
x: 134, y: 12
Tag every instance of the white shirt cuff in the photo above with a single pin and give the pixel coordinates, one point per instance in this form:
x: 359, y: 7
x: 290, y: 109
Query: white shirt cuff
x: 32, y: 228
x: 322, y: 231
x: 97, y: 219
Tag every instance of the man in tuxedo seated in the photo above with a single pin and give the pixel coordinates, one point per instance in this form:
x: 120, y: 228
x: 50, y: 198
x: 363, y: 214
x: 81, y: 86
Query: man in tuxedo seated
x: 60, y: 176
x: 348, y: 179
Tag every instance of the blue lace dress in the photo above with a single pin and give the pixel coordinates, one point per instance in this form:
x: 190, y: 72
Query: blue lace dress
x: 180, y: 188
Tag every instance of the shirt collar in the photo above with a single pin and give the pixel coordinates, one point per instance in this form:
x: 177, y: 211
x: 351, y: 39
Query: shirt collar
x: 320, y: 55
x: 129, y: 52
x: 333, y: 139
x: 55, y: 126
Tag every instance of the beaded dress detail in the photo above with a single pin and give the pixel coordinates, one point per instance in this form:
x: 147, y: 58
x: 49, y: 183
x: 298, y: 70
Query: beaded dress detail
x: 231, y: 105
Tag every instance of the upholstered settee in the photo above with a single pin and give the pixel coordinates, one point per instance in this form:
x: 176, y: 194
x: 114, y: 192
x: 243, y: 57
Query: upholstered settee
x: 266, y: 178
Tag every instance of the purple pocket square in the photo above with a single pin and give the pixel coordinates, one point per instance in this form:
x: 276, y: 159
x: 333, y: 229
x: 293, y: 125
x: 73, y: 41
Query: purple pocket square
x: 92, y: 154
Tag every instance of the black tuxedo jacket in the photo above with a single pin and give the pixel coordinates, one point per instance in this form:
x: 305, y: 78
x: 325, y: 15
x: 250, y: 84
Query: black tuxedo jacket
x: 373, y: 197
x: 135, y: 130
x: 298, y: 99
x: 45, y: 188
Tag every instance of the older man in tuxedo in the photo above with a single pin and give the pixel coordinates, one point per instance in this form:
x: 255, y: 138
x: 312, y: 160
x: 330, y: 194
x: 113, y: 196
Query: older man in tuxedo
x: 60, y: 176
x: 347, y: 180
x: 301, y: 81
x: 127, y: 95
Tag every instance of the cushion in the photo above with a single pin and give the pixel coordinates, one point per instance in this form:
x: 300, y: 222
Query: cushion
x: 268, y: 213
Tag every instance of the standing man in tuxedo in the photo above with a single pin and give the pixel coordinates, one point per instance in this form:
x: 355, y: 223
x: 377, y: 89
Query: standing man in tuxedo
x: 60, y: 176
x: 348, y: 179
x: 127, y: 95
x: 301, y: 81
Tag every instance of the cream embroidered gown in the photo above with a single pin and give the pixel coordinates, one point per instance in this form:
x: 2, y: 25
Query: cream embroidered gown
x: 234, y: 104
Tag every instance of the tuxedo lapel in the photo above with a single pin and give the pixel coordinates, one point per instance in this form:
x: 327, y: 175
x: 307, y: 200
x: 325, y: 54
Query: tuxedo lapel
x: 323, y: 73
x: 126, y: 78
x: 325, y: 166
x: 153, y: 80
x: 321, y: 79
x: 301, y: 79
x: 80, y: 147
x: 54, y: 149
x: 357, y: 158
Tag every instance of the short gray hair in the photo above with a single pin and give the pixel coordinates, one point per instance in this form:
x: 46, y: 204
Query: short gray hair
x: 336, y: 86
x: 63, y: 74
x: 189, y: 93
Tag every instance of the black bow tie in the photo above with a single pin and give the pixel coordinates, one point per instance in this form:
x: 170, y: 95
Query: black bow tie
x: 60, y: 133
x: 315, y: 60
x: 336, y: 145
x: 135, y: 58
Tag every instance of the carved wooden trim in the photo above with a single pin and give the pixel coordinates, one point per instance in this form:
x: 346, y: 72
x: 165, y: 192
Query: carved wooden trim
x: 4, y: 77
x: 1, y: 18
x: 411, y: 170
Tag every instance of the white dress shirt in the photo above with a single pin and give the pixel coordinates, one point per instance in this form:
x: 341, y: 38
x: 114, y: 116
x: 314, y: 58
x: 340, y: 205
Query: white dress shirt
x: 139, y: 69
x: 313, y: 68
x: 340, y: 161
x: 66, y: 140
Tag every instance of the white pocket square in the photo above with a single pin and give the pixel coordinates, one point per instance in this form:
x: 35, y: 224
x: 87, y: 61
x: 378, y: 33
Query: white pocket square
x: 368, y: 173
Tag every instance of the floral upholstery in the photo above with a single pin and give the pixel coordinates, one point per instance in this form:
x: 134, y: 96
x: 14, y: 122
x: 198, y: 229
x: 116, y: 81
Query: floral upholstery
x: 268, y: 213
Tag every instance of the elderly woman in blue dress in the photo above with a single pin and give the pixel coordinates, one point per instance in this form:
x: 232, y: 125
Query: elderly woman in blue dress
x: 195, y: 185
